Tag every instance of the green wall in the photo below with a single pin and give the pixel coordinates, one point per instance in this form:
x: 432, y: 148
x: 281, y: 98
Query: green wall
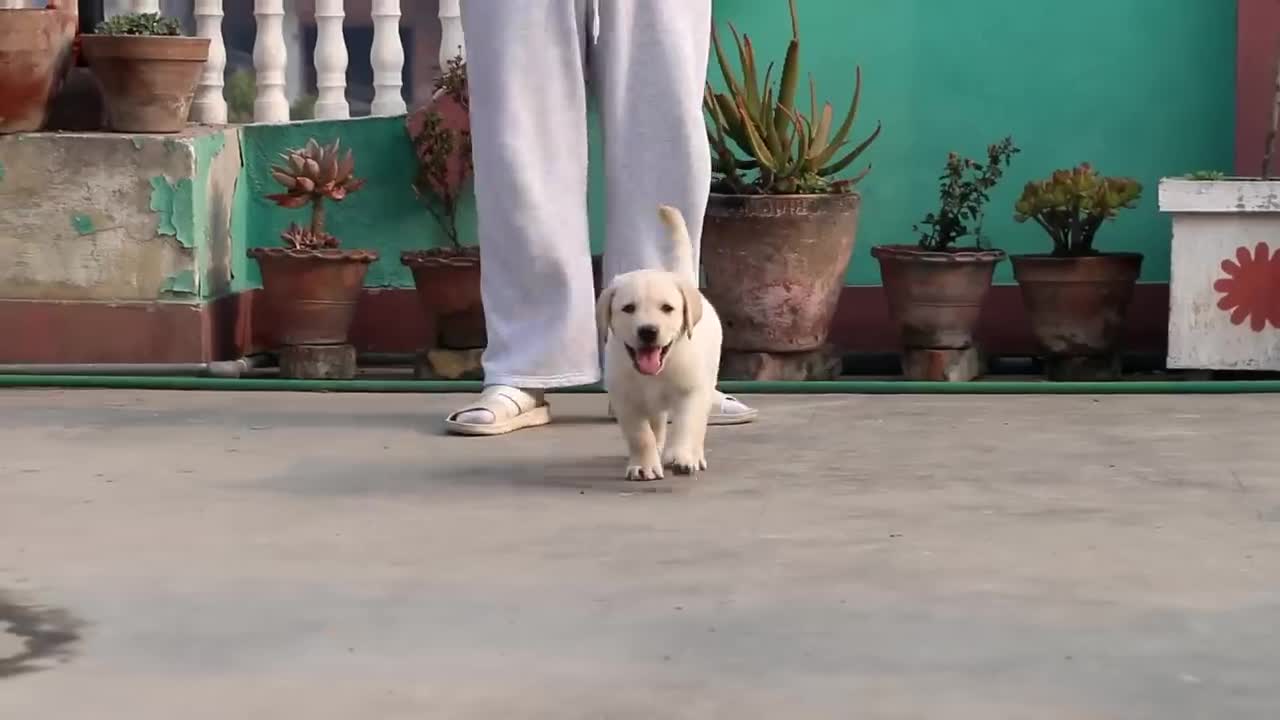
x: 1137, y: 87
x: 386, y: 215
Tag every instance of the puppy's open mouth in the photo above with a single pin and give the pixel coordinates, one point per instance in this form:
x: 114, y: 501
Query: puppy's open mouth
x: 648, y: 360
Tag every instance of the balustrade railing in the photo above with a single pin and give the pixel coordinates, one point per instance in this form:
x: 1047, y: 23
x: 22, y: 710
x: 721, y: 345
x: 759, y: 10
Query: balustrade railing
x: 271, y: 55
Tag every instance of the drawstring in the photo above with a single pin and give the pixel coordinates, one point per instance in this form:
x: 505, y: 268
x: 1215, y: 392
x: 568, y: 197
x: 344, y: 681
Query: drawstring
x: 595, y: 21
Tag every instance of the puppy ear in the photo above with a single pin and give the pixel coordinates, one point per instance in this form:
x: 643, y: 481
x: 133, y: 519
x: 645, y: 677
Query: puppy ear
x: 604, y: 313
x: 692, y: 306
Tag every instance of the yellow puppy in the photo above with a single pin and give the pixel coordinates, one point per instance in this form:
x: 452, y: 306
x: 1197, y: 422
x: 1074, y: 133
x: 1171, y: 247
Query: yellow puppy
x: 662, y: 356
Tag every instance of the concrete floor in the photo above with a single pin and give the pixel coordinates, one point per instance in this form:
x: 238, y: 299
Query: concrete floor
x: 201, y: 556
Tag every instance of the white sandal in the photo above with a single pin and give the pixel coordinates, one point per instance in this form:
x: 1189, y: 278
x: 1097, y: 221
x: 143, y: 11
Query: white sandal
x: 732, y: 411
x: 724, y: 415
x: 500, y: 401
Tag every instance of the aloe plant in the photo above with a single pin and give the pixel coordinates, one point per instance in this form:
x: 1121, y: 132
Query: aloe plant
x: 780, y: 149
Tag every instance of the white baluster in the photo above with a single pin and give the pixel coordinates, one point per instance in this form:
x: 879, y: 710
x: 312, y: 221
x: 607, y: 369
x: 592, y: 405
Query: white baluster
x: 270, y: 57
x: 331, y: 61
x: 209, y: 105
x: 451, y: 42
x: 387, y: 58
x: 145, y: 6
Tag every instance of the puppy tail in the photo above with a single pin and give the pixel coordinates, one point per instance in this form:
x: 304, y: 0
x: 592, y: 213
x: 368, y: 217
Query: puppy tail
x: 681, y: 243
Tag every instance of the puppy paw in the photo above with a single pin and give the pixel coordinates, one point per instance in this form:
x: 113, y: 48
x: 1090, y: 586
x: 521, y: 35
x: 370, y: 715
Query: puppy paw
x: 685, y: 462
x: 644, y: 471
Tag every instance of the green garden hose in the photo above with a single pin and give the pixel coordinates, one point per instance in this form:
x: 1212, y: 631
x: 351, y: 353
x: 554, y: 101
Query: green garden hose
x: 836, y: 387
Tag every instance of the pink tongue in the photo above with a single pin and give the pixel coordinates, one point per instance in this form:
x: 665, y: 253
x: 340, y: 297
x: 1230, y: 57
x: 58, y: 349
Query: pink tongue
x: 649, y: 360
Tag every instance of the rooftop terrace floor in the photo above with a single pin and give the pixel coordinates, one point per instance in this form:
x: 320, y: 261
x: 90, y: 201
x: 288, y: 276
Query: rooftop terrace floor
x: 221, y: 555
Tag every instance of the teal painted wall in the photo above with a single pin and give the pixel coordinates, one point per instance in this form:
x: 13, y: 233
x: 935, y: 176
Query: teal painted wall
x: 385, y: 215
x: 1137, y: 87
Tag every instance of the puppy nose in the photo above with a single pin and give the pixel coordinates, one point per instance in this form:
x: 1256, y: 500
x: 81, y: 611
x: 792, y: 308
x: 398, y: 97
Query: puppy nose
x: 647, y: 333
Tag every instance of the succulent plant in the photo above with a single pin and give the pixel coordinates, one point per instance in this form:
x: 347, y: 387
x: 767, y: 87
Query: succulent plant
x: 963, y: 194
x: 139, y: 24
x: 1071, y: 205
x: 787, y: 150
x: 311, y: 175
x: 1205, y: 175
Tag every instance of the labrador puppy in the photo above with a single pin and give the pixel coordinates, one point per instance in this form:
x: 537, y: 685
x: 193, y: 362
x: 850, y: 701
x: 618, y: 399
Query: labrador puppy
x: 662, y: 356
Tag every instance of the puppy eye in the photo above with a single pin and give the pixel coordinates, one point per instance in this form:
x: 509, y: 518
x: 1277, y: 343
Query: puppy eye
x: 629, y: 308
x: 666, y: 308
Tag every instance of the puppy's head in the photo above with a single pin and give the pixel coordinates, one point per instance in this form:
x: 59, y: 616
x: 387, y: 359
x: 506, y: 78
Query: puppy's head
x: 648, y: 311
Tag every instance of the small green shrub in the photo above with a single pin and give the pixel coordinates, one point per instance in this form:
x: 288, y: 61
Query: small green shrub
x: 139, y: 24
x: 242, y: 88
x: 963, y: 191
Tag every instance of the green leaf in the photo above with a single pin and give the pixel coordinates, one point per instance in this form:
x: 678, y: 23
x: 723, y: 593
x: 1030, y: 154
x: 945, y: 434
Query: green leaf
x: 844, y: 162
x: 845, y: 127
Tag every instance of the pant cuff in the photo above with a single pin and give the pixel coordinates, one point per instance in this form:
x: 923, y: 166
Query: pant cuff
x: 542, y: 382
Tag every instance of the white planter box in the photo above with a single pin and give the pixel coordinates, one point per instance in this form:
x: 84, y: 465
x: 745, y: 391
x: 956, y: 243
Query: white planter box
x: 1224, y: 285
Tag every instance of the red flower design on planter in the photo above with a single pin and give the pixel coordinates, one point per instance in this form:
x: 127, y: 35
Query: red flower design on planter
x: 1251, y: 290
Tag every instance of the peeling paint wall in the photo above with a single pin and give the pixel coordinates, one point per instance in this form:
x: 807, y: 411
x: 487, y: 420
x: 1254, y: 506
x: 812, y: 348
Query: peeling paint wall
x: 116, y: 217
x: 218, y: 173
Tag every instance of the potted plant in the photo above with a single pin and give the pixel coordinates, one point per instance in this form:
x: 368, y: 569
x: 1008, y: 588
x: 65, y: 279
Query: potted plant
x: 147, y: 70
x: 447, y: 278
x: 935, y: 288
x: 1224, y: 261
x: 35, y: 55
x: 781, y: 220
x: 311, y: 285
x: 1077, y: 297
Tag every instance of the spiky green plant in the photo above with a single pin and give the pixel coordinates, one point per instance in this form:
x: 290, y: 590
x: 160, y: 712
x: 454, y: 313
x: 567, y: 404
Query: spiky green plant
x: 1071, y: 205
x: 780, y: 149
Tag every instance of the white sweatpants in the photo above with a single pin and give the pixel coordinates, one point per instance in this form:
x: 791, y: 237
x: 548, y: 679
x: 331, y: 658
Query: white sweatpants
x: 530, y: 63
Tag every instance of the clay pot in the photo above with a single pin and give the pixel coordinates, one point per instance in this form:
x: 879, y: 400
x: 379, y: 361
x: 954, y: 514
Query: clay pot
x: 448, y: 285
x: 312, y: 294
x: 935, y: 298
x: 147, y: 82
x: 1077, y: 307
x: 774, y: 266
x: 35, y: 54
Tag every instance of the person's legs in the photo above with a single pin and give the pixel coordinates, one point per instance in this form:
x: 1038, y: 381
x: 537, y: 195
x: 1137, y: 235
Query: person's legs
x: 648, y: 70
x: 526, y: 69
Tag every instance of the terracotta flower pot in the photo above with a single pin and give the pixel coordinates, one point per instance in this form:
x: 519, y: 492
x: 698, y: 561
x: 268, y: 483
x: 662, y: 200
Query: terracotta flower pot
x: 1077, y: 308
x: 312, y: 294
x: 147, y: 82
x: 448, y: 285
x: 35, y: 54
x: 935, y: 298
x: 775, y: 265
